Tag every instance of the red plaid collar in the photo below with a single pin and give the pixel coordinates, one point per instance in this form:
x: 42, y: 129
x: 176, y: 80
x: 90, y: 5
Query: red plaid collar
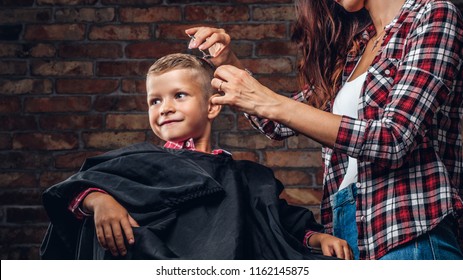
x: 189, y: 145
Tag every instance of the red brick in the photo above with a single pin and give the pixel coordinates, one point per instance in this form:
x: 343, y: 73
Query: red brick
x: 240, y: 155
x: 17, y: 3
x: 112, y: 140
x: 90, y: 50
x: 264, y: 1
x: 50, y: 178
x: 55, y: 32
x: 242, y: 49
x: 42, y: 50
x: 292, y: 159
x: 123, y: 69
x: 319, y: 176
x: 57, y: 104
x: 120, y: 32
x: 119, y: 103
x: 5, y: 141
x: 269, y: 66
x: 302, y: 142
x: 17, y: 122
x: 224, y: 122
x: 84, y: 86
x: 293, y: 177
x: 18, y: 180
x: 24, y: 15
x: 150, y: 15
x: 278, y: 48
x: 131, y: 2
x: 22, y: 235
x: 73, y: 160
x: 197, y: 2
x: 280, y: 84
x: 13, y: 68
x: 45, y: 141
x: 20, y: 196
x: 173, y: 31
x: 66, y: 2
x: 26, y: 215
x: 280, y: 13
x: 26, y: 86
x: 216, y: 13
x: 256, y: 31
x: 10, y: 105
x: 25, y: 160
x: 15, y: 252
x: 153, y: 49
x: 128, y: 121
x: 16, y: 51
x: 62, y: 68
x: 251, y: 141
x: 85, y: 15
x: 302, y: 196
x: 10, y: 50
x: 244, y: 124
x: 134, y: 86
x: 69, y: 121
x: 152, y: 138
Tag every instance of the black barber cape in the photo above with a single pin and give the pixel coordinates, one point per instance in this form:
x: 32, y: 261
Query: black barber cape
x: 189, y: 205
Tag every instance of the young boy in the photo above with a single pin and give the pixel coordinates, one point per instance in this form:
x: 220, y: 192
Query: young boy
x: 191, y: 202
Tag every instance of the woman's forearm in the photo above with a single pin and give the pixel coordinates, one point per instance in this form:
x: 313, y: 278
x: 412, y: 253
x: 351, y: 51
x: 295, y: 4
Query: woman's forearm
x: 314, y: 123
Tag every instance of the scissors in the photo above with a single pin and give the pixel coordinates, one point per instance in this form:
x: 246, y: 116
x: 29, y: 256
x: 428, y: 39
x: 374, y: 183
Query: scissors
x: 205, y: 55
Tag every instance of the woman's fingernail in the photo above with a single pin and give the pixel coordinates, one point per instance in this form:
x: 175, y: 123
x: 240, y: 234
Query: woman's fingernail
x: 192, y: 44
x: 131, y: 241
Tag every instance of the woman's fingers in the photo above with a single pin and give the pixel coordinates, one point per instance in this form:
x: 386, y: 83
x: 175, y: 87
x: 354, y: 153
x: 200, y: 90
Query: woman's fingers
x: 215, y: 43
x: 201, y: 34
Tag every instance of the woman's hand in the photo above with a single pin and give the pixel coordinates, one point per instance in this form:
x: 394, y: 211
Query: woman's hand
x: 243, y: 92
x: 331, y: 246
x: 216, y: 41
x: 112, y: 222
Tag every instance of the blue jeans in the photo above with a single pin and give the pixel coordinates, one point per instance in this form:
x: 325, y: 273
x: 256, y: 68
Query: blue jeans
x: 438, y: 244
x: 344, y: 224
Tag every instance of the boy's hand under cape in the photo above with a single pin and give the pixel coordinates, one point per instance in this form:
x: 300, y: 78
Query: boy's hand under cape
x: 112, y: 222
x: 331, y: 246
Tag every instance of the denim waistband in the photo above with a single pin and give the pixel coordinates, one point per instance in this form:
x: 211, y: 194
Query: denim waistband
x: 346, y: 195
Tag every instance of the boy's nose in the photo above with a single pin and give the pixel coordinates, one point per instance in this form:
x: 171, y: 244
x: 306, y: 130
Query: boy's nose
x: 167, y: 107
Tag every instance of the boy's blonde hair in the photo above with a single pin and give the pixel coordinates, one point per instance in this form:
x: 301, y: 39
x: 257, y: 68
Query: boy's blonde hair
x: 185, y: 61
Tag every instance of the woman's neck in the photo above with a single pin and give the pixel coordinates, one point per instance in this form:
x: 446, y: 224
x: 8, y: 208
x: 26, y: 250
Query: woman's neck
x: 383, y: 12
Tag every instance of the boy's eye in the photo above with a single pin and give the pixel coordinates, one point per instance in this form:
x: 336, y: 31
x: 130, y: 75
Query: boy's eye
x: 155, y: 101
x: 180, y: 95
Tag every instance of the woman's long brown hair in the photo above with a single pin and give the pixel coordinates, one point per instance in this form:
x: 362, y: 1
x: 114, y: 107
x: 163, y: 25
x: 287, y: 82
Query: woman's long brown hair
x: 326, y: 33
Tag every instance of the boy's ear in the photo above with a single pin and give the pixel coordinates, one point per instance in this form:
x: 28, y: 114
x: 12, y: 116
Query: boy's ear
x: 213, y: 109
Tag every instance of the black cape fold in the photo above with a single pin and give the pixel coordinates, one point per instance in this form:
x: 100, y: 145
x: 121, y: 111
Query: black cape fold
x: 189, y: 205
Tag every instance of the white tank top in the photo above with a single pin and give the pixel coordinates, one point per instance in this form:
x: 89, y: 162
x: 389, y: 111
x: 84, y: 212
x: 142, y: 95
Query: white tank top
x: 346, y: 103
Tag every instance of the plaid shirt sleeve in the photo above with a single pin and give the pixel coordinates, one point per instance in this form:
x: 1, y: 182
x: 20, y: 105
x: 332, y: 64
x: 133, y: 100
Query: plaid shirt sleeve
x: 76, y: 204
x: 422, y: 84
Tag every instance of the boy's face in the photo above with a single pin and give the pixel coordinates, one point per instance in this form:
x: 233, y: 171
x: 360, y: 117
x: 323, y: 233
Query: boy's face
x: 178, y: 108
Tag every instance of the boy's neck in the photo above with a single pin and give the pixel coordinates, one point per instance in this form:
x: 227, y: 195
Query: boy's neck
x: 203, y: 142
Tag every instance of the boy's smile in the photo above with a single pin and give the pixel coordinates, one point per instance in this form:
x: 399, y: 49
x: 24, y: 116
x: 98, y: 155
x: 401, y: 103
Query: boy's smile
x: 178, y: 107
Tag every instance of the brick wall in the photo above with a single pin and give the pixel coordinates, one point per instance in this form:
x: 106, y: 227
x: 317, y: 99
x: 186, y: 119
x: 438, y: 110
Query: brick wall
x: 71, y: 86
